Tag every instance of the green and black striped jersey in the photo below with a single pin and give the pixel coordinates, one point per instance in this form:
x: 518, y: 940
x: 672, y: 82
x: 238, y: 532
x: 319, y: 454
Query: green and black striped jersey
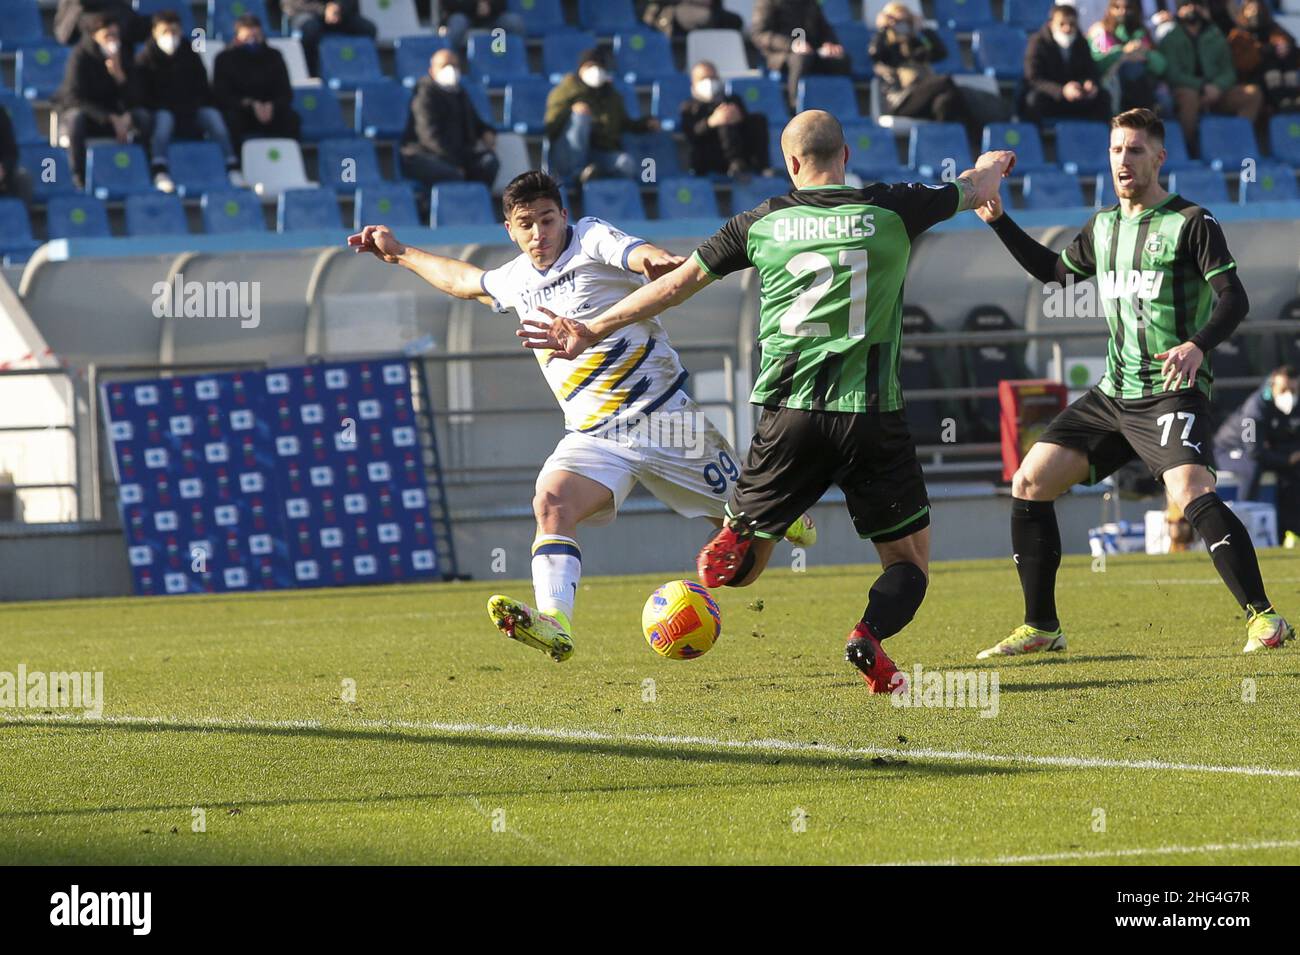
x: 1153, y: 275
x: 831, y: 263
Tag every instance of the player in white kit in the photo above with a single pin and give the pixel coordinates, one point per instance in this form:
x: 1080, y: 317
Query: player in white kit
x: 625, y: 413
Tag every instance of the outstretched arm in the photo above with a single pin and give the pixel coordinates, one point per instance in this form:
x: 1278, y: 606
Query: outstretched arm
x: 652, y: 261
x: 452, y: 276
x: 1034, y: 257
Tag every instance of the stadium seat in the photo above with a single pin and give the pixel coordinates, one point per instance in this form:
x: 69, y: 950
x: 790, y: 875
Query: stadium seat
x: 320, y: 113
x: 20, y: 25
x: 984, y: 366
x: 835, y: 94
x: 478, y: 95
x: 346, y: 61
x: 750, y: 195
x: 660, y: 147
x: 273, y: 165
x: 48, y: 168
x: 837, y: 12
x: 1231, y: 359
x: 231, y: 210
x: 541, y: 17
x: 1052, y: 189
x: 16, y: 242
x: 919, y: 368
x: 687, y: 197
x: 514, y: 158
x: 306, y: 210
x: 460, y: 203
x: 1023, y: 138
x: 872, y: 154
x: 295, y: 60
x: 1284, y: 137
x: 347, y: 164
x: 953, y: 61
x: 381, y: 109
x: 666, y: 98
x: 1272, y: 182
x: 77, y: 217
x: 1105, y: 190
x: 1083, y: 146
x: 23, y: 118
x: 561, y: 49
x: 392, y: 18
x: 725, y: 49
x: 936, y: 148
x: 496, y: 64
x: 614, y: 200
x: 1176, y: 150
x: 856, y: 40
x: 525, y: 107
x: 1227, y: 141
x: 999, y: 51
x: 776, y: 159
x: 963, y: 15
x: 761, y: 95
x: 39, y: 70
x: 183, y: 10
x: 197, y: 167
x: 642, y: 56
x: 606, y: 17
x: 630, y: 98
x: 1205, y: 187
x: 155, y: 213
x: 223, y: 13
x: 211, y: 50
x: 389, y: 203
x: 1027, y: 15
x: 411, y: 56
x: 114, y: 171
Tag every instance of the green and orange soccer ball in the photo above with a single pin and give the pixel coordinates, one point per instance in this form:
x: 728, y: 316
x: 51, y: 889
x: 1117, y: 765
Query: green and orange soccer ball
x: 681, y: 620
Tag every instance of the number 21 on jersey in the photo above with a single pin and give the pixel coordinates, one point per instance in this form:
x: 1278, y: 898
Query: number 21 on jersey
x: 795, y: 321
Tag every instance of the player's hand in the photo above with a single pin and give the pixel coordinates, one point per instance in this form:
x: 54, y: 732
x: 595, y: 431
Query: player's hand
x: 1004, y: 158
x: 1180, y: 365
x: 379, y: 241
x: 565, y: 337
x: 991, y: 211
x: 659, y: 262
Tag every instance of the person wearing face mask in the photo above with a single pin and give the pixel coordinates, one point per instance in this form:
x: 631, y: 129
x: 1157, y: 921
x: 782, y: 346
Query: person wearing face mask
x: 250, y: 84
x: 445, y: 138
x: 1265, y: 55
x: 797, y: 40
x: 723, y: 136
x: 315, y: 19
x: 174, y: 87
x: 100, y: 94
x: 1061, y: 79
x: 1126, y: 56
x: 1264, y: 435
x: 1200, y: 72
x: 903, y: 52
x: 585, y: 122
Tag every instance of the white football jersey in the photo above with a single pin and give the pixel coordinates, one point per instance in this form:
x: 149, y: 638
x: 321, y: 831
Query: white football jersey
x: 635, y: 369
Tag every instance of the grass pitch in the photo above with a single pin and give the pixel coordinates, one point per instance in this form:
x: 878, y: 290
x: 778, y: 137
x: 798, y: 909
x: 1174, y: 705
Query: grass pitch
x: 464, y: 747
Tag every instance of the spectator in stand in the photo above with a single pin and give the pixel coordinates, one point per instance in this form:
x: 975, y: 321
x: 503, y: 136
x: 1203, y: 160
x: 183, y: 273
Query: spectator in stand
x: 314, y: 19
x: 99, y: 95
x: 1126, y: 56
x: 14, y: 181
x: 723, y: 136
x: 1265, y: 55
x: 1264, y: 435
x: 68, y: 27
x: 679, y: 17
x: 585, y: 122
x: 797, y: 40
x: 461, y: 16
x: 173, y: 85
x: 1061, y: 78
x: 903, y: 52
x: 251, y: 87
x: 445, y: 138
x: 1200, y: 74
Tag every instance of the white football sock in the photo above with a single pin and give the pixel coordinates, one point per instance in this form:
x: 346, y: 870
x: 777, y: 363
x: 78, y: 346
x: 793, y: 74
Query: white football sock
x: 557, y: 568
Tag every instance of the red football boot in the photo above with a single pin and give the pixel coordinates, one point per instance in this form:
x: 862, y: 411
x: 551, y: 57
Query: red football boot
x: 864, y: 651
x: 722, y: 557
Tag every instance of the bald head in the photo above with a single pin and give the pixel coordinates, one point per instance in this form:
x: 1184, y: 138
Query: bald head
x: 815, y: 138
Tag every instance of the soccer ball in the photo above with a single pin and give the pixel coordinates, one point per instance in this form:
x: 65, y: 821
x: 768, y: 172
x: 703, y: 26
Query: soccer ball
x: 681, y: 620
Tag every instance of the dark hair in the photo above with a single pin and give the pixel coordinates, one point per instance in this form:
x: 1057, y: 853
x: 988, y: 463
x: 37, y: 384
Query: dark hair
x: 92, y: 23
x: 1140, y: 118
x: 1286, y: 371
x: 593, y: 55
x: 247, y: 20
x: 1110, y: 23
x: 168, y: 17
x: 528, y: 187
x: 1065, y: 9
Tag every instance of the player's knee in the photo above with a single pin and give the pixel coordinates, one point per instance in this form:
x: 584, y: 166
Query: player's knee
x: 1025, y: 484
x: 550, y: 509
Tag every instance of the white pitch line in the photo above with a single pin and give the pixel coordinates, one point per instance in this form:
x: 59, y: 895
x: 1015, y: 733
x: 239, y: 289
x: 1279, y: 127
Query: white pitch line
x: 515, y: 731
x: 1108, y: 854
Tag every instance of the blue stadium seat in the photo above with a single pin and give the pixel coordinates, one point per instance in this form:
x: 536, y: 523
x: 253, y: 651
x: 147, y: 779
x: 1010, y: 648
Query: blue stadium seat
x: 614, y: 200
x: 1052, y: 189
x: 837, y: 12
x: 560, y: 51
x: 16, y: 242
x: 963, y: 15
x: 23, y: 118
x: 232, y: 210
x: 856, y: 39
x: 999, y: 51
x: 687, y: 197
x: 460, y: 203
x: 48, y: 168
x: 642, y: 56
x: 1273, y: 182
x: 390, y: 203
x: 541, y: 17
x: 661, y: 147
x: 1023, y: 138
x: 936, y: 148
x: 750, y: 195
x: 223, y: 13
x: 20, y: 25
x: 630, y: 99
x: 1105, y: 191
x: 776, y: 159
x: 411, y: 56
x: 347, y: 164
x: 762, y: 95
x: 953, y: 62
x: 525, y: 106
x: 39, y: 70
x: 1284, y: 136
x: 497, y: 64
x: 306, y: 210
x: 155, y: 213
x: 182, y: 9
x: 1083, y: 146
x: 666, y: 98
x: 1226, y: 141
x: 77, y: 217
x: 478, y: 95
x: 197, y: 167
x: 1026, y: 15
x: 114, y: 171
x: 382, y: 108
x: 1176, y: 150
x: 321, y: 115
x: 835, y: 94
x: 1205, y: 187
x: 606, y: 17
x: 347, y: 61
x: 872, y: 154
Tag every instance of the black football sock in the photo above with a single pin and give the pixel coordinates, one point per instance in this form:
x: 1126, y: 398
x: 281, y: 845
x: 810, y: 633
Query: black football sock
x: 1036, y: 549
x: 894, y: 599
x: 1230, y: 549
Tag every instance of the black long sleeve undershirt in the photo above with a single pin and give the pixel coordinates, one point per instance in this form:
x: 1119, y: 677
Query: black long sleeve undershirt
x: 1034, y: 257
